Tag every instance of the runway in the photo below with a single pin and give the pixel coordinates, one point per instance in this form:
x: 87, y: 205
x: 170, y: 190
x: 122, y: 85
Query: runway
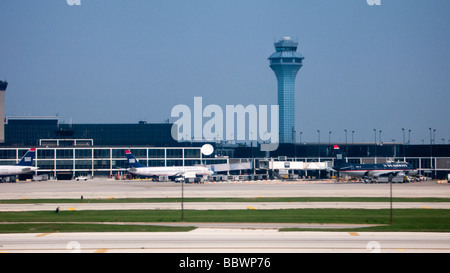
x: 204, y: 240
x: 222, y: 206
x: 104, y: 188
x: 226, y: 237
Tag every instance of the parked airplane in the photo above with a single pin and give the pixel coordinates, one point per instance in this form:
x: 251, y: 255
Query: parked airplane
x: 24, y: 166
x: 172, y: 172
x: 370, y: 171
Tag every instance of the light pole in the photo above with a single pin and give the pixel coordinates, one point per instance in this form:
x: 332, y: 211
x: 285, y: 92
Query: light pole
x: 375, y: 134
x: 403, y: 130
x: 295, y: 145
x: 391, y: 220
x: 182, y: 201
x: 404, y: 156
x: 435, y: 170
x: 318, y: 144
x: 434, y: 136
x: 345, y: 130
x: 431, y: 152
x: 346, y: 148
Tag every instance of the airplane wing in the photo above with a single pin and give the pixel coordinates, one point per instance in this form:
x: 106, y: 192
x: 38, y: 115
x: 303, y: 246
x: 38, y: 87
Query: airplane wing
x: 190, y: 174
x: 185, y: 174
x: 27, y: 170
x: 388, y: 173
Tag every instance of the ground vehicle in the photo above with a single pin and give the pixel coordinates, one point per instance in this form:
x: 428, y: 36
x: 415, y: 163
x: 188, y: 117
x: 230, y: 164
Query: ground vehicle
x: 81, y: 178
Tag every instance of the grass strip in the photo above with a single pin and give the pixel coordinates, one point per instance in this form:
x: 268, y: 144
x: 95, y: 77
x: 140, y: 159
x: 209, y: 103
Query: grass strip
x: 424, y: 220
x: 69, y: 227
x: 257, y: 199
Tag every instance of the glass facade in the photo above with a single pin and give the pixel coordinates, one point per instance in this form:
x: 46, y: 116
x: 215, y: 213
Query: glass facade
x: 104, y: 161
x: 73, y: 157
x: 111, y: 161
x: 285, y: 63
x: 28, y: 131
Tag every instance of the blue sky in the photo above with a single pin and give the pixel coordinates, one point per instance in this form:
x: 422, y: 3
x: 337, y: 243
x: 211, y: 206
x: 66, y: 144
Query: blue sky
x: 114, y: 61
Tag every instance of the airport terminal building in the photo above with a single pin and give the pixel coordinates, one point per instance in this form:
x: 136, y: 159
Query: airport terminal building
x: 69, y: 150
x: 64, y: 151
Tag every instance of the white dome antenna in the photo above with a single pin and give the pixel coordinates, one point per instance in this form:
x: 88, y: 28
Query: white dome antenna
x: 207, y: 149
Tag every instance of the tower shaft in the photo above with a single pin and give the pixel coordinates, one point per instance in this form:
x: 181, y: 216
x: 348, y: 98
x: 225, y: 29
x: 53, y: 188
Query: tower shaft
x: 285, y: 63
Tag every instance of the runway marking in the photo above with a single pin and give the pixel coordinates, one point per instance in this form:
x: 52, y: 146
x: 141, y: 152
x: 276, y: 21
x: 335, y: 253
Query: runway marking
x: 43, y: 234
x: 354, y: 233
x: 177, y: 249
x: 101, y: 250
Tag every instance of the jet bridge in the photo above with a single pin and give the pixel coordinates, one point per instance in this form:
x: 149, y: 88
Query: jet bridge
x: 231, y: 165
x: 294, y: 165
x: 292, y: 169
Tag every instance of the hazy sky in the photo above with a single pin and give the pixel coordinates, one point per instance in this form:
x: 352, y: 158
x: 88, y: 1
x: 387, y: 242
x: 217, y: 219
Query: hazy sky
x: 120, y: 61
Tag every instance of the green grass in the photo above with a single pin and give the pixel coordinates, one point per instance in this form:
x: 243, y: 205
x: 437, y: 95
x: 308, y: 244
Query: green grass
x: 69, y: 221
x: 65, y: 227
x: 430, y: 220
x: 259, y: 199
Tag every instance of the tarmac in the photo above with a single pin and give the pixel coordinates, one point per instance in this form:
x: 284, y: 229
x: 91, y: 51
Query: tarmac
x: 222, y: 237
x: 106, y: 188
x: 221, y: 206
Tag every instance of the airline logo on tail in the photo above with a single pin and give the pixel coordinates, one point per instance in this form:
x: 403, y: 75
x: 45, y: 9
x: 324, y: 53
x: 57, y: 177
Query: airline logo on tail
x: 27, y: 159
x: 132, y: 161
x: 339, y: 158
x: 25, y: 165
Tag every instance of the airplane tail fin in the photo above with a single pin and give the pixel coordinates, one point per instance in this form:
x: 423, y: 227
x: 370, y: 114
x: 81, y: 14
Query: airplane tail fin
x: 132, y: 161
x: 27, y: 159
x: 339, y: 161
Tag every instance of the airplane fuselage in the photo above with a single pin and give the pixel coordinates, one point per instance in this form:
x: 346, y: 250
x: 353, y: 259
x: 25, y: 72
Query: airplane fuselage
x: 375, y: 170
x: 15, y: 170
x: 169, y: 171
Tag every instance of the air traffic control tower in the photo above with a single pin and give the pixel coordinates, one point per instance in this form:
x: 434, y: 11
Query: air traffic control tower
x: 286, y: 62
x: 3, y: 86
